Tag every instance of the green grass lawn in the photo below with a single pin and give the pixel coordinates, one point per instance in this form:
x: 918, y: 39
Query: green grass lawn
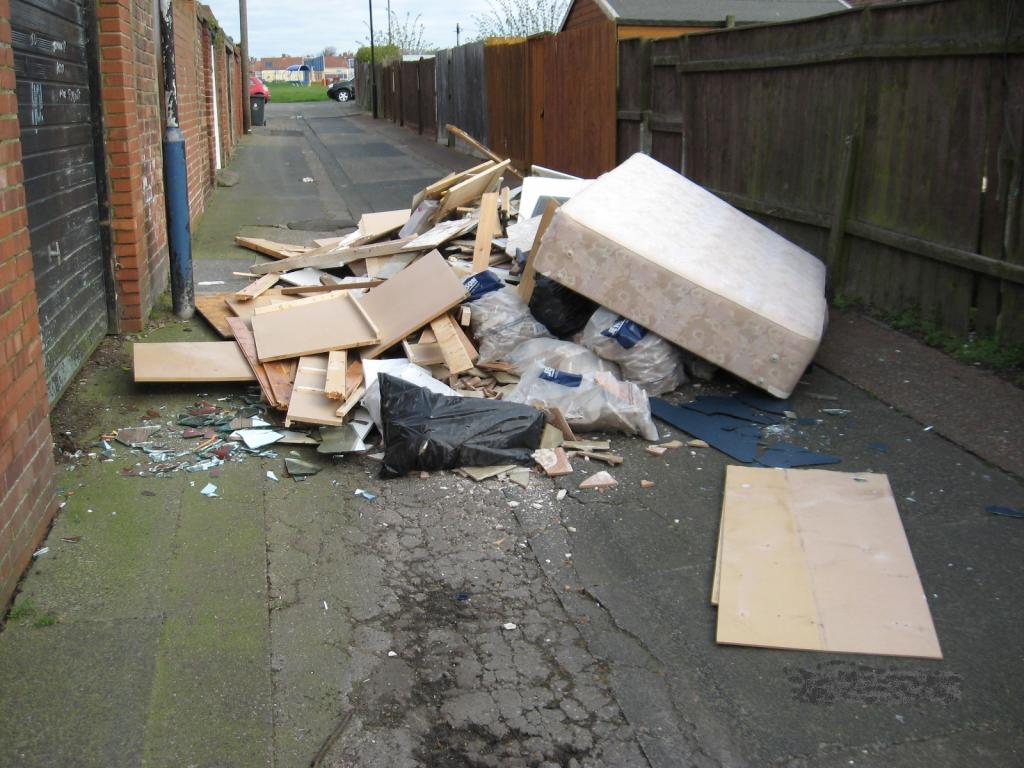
x: 286, y: 93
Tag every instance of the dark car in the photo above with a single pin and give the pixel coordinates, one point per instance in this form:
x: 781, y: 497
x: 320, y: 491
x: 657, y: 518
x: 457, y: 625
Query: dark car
x: 342, y: 90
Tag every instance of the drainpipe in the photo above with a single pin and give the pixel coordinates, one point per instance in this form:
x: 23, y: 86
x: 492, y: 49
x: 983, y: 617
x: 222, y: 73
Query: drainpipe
x: 179, y: 231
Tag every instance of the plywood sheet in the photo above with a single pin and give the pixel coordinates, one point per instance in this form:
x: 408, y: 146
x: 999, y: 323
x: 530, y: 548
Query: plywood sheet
x: 188, y: 361
x: 308, y: 326
x: 819, y: 560
x: 422, y: 291
x: 308, y: 403
x: 242, y: 331
x: 215, y: 310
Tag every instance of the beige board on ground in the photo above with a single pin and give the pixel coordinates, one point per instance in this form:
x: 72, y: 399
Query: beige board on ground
x: 308, y: 326
x: 425, y: 289
x: 759, y: 312
x: 309, y: 404
x: 818, y: 560
x: 190, y: 361
x: 379, y: 223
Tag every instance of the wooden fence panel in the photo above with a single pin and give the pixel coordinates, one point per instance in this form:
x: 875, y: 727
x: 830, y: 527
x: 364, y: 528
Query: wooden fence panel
x: 427, y: 96
x: 465, y: 94
x: 537, y: 78
x: 508, y: 99
x: 579, y: 100
x: 885, y: 140
x: 442, y: 91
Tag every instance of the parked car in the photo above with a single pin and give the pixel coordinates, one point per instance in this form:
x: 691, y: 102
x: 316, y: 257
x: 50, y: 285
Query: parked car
x: 342, y: 90
x: 258, y: 88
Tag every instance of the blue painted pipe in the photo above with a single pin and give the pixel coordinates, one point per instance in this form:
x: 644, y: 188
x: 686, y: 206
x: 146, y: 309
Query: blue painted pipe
x: 179, y: 231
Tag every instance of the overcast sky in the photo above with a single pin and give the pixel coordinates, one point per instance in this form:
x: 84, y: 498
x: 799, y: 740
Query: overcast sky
x: 286, y: 26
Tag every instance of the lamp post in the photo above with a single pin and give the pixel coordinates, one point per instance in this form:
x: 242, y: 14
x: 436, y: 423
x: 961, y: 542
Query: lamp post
x: 373, y: 65
x: 243, y: 30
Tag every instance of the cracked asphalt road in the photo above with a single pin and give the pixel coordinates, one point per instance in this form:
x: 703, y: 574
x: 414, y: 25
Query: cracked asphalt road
x: 293, y: 624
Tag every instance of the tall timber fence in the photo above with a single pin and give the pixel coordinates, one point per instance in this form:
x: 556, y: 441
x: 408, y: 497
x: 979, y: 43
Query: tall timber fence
x: 885, y: 140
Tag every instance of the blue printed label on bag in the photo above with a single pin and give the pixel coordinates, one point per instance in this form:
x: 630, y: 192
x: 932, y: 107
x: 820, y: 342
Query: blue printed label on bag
x: 481, y: 284
x: 561, y: 377
x: 624, y: 331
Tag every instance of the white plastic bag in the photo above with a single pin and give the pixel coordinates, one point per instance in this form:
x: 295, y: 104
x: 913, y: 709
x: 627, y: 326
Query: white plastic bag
x: 561, y: 355
x: 644, y: 357
x: 589, y: 401
x: 501, y: 321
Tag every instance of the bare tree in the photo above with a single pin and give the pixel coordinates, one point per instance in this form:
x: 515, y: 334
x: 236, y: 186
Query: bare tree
x: 330, y: 50
x: 520, y: 18
x: 408, y: 34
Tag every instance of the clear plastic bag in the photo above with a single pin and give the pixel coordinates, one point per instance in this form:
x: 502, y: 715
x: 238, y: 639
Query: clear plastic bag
x: 644, y: 358
x: 561, y: 355
x: 500, y: 322
x: 589, y: 401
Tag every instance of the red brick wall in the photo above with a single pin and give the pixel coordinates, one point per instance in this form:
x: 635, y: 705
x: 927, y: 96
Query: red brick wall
x: 193, y: 113
x: 27, y: 483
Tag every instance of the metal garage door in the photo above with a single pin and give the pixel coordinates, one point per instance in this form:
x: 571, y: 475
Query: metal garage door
x: 51, y: 66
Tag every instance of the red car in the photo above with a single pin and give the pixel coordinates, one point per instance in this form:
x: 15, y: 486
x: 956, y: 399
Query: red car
x: 258, y: 88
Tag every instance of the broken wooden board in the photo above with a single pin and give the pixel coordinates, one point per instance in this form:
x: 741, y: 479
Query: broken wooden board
x: 447, y: 332
x: 467, y: 345
x: 439, y: 187
x: 257, y: 287
x: 528, y: 278
x: 470, y: 190
x: 486, y: 230
x: 337, y: 367
x: 612, y: 459
x: 270, y: 248
x: 483, y: 149
x: 308, y: 403
x: 440, y: 234
x: 216, y: 311
x: 332, y: 256
x: 411, y: 299
x: 351, y: 401
x: 281, y: 375
x: 818, y: 560
x: 309, y: 326
x: 242, y: 331
x: 190, y: 361
x: 302, y: 290
x: 354, y: 375
x: 556, y: 417
x: 374, y: 226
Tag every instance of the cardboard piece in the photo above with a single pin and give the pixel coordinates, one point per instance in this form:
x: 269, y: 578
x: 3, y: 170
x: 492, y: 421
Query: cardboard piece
x: 190, y: 361
x: 422, y: 291
x: 308, y: 326
x: 308, y: 403
x: 819, y: 560
x: 764, y: 329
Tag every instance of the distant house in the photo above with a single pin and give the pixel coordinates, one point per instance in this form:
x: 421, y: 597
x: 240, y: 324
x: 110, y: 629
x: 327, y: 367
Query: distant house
x: 301, y: 69
x: 670, y: 18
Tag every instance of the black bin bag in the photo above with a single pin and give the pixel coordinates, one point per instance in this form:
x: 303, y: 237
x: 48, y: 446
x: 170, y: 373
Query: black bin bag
x: 562, y: 311
x: 427, y: 431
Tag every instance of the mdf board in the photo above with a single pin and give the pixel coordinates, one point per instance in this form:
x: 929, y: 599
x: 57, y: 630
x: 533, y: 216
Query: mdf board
x: 308, y: 326
x: 190, y: 361
x: 53, y: 74
x: 380, y: 223
x: 818, y: 560
x: 697, y: 272
x: 425, y: 289
x: 309, y: 403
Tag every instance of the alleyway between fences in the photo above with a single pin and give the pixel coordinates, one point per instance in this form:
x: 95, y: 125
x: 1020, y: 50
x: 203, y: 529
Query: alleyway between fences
x: 452, y: 623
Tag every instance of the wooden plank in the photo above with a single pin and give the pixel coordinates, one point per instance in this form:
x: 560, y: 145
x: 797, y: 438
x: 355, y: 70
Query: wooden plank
x: 281, y: 375
x: 242, y: 331
x: 354, y: 375
x: 257, y: 287
x: 439, y: 187
x: 411, y: 299
x: 216, y: 311
x: 819, y: 560
x: 247, y: 308
x: 469, y: 190
x: 351, y: 402
x: 302, y: 290
x: 461, y: 134
x: 322, y: 323
x: 528, y: 278
x: 486, y: 230
x: 332, y: 257
x: 190, y: 361
x: 377, y: 224
x: 308, y: 403
x: 455, y: 356
x: 424, y: 355
x: 337, y: 366
x: 269, y: 247
x: 467, y: 345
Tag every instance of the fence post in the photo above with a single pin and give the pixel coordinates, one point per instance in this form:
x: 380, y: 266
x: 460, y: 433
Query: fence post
x: 645, y: 95
x: 835, y: 255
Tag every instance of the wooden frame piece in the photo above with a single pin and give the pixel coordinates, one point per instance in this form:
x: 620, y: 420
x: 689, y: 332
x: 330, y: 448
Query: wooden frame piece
x: 470, y: 190
x: 332, y: 256
x: 528, y: 278
x: 257, y: 287
x: 298, y: 290
x: 337, y: 367
x: 308, y: 403
x: 486, y: 229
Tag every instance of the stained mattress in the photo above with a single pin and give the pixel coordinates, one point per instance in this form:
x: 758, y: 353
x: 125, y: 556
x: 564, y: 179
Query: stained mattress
x: 664, y: 252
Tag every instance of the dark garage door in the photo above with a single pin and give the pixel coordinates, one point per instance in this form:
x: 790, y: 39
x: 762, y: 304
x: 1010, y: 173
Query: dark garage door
x: 51, y: 66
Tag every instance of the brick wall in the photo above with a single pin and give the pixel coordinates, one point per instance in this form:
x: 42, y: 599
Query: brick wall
x: 27, y: 483
x: 193, y: 112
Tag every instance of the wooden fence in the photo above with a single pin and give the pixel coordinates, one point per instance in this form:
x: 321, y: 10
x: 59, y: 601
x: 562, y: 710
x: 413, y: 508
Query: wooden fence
x: 462, y: 89
x: 888, y: 141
